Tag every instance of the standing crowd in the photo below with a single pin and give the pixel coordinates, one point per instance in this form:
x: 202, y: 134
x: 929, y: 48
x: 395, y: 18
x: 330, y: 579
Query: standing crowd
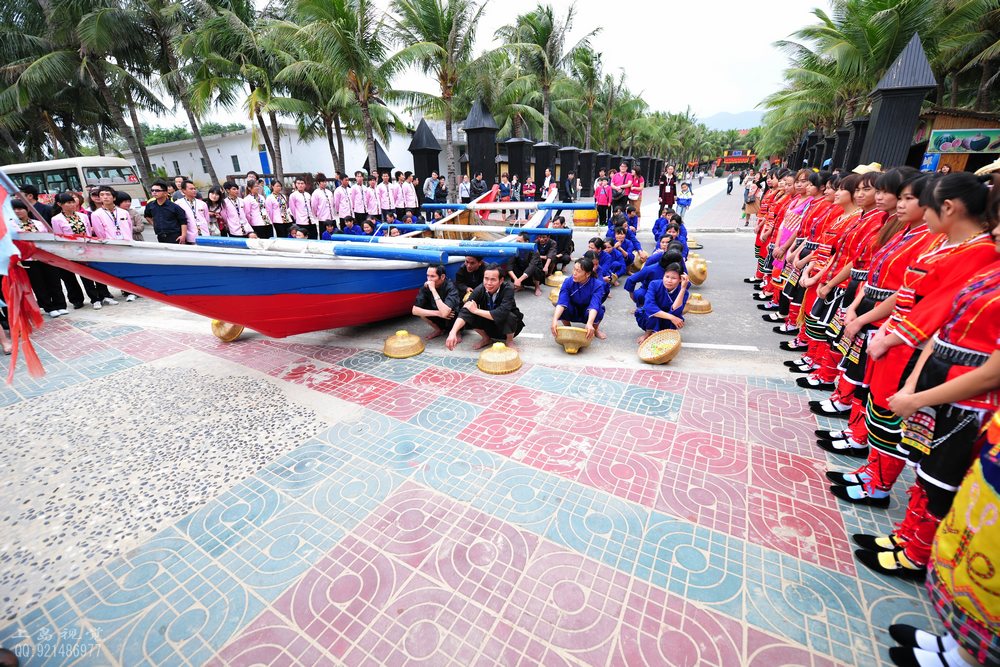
x: 887, y: 285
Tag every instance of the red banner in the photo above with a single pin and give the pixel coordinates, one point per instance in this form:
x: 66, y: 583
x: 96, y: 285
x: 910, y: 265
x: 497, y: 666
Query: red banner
x: 742, y: 159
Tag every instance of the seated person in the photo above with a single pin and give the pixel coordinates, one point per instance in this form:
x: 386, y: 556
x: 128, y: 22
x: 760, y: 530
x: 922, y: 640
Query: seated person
x: 581, y: 300
x: 437, y: 301
x: 490, y: 311
x: 368, y: 228
x: 599, y: 273
x: 394, y: 231
x: 673, y: 232
x: 660, y: 226
x: 525, y: 266
x: 652, y: 272
x: 330, y: 232
x: 564, y: 244
x: 683, y: 236
x: 628, y: 249
x: 663, y: 307
x: 469, y: 276
x: 351, y: 228
x: 632, y: 218
x: 297, y: 232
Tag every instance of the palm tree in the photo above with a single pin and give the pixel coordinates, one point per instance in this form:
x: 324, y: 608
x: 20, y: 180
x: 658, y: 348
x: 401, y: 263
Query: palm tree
x: 538, y: 42
x: 439, y: 35
x: 586, y: 68
x: 350, y: 36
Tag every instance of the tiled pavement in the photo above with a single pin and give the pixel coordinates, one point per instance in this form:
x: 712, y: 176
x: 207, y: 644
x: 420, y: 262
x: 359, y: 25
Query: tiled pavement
x: 603, y: 517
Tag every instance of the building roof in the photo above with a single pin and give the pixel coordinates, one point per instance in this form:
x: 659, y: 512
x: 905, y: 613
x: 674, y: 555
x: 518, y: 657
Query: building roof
x: 479, y: 118
x: 909, y: 70
x: 423, y: 139
x: 384, y: 163
x: 962, y: 113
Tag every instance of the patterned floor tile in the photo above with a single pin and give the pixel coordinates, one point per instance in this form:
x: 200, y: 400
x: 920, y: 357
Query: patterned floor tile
x: 103, y: 362
x: 148, y: 345
x: 714, y: 417
x: 787, y: 435
x: 454, y: 384
x: 549, y: 379
x: 523, y: 402
x: 56, y: 377
x: 579, y: 417
x: 270, y: 640
x: 791, y: 474
x: 784, y: 403
x: 651, y: 403
x: 794, y: 526
x: 71, y: 343
x: 623, y: 473
x: 352, y: 493
x: 522, y: 496
x: 53, y: 633
x: 458, y: 470
x: 445, y: 415
x: 481, y: 558
x: 703, y: 498
x: 402, y: 402
x: 379, y: 365
x: 567, y: 601
x: 604, y: 528
x: 763, y: 650
x: 661, y: 379
x: 361, y: 389
x: 618, y: 374
x: 559, y: 452
x: 810, y: 606
x: 300, y: 471
x: 715, y: 454
x: 102, y: 330
x: 503, y: 433
x: 732, y: 392
x: 595, y: 390
x: 663, y: 629
x: 649, y: 436
x: 693, y: 562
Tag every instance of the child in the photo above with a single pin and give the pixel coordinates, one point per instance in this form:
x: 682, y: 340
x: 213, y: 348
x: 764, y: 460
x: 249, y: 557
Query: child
x: 663, y: 307
x: 602, y: 198
x: 632, y: 216
x: 684, y: 199
x: 625, y: 247
x: 331, y: 229
x: 297, y: 232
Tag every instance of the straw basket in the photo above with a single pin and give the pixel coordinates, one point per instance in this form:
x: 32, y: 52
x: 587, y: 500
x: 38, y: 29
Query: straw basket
x: 498, y: 359
x: 572, y: 338
x: 402, y: 344
x: 554, y: 295
x: 556, y: 279
x: 697, y: 270
x: 661, y: 347
x: 586, y: 218
x: 226, y: 331
x: 694, y: 245
x: 698, y: 305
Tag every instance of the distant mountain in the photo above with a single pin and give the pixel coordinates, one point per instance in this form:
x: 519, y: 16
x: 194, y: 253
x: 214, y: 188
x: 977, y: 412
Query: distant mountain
x: 733, y: 121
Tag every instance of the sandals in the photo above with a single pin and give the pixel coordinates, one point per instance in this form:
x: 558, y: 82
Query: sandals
x: 773, y: 317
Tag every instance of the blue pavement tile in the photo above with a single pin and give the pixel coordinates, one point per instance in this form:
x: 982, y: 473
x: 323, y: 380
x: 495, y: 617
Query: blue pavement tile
x: 651, y: 403
x: 522, y: 496
x: 350, y: 495
x: 446, y: 416
x: 102, y: 330
x: 223, y: 522
x: 778, y: 384
x: 547, y: 379
x: 8, y: 396
x: 301, y: 470
x: 403, y: 449
x: 694, y: 562
x: 810, y: 605
x: 57, y: 376
x: 103, y: 362
x: 459, y: 470
x: 366, y: 428
x: 52, y: 633
x: 453, y: 362
x: 596, y: 390
x: 379, y: 365
x: 600, y: 526
x: 271, y: 557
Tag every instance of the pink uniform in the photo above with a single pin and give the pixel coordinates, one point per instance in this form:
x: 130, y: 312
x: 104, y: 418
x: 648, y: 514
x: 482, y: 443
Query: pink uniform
x: 371, y: 202
x: 300, y: 208
x: 256, y: 211
x: 396, y: 191
x: 197, y: 218
x: 342, y: 203
x: 623, y: 180
x: 410, y: 196
x: 235, y: 217
x: 357, y: 194
x: 114, y: 225
x: 386, y: 201
x: 322, y: 203
x: 80, y: 226
x: 277, y: 209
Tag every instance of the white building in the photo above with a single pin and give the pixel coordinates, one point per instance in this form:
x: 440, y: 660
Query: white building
x: 237, y: 153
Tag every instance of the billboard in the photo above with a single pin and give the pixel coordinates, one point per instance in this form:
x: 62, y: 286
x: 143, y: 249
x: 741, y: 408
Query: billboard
x: 965, y: 141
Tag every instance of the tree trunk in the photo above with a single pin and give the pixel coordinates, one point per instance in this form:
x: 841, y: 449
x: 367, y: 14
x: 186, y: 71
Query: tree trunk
x: 99, y: 139
x: 58, y: 138
x: 939, y: 93
x: 518, y: 126
x: 954, y: 89
x: 140, y: 141
x: 339, y: 130
x: 279, y: 169
x: 983, y: 94
x: 366, y: 119
x: 546, y: 111
x: 145, y: 173
x: 267, y: 139
x: 328, y: 125
x: 449, y: 147
x: 587, y: 130
x: 196, y: 131
x: 14, y: 147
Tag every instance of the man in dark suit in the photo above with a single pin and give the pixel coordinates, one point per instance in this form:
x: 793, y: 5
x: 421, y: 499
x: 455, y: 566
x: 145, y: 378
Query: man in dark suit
x: 490, y: 311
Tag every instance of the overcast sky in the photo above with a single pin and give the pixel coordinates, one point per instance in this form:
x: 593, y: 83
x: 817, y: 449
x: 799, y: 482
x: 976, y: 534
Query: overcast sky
x: 711, y: 55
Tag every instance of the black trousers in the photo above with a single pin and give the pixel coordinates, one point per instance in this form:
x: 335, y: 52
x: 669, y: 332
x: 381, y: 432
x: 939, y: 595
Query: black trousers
x: 46, y: 283
x: 281, y: 230
x: 73, y: 290
x: 168, y: 238
x: 603, y: 215
x: 729, y: 188
x: 263, y: 231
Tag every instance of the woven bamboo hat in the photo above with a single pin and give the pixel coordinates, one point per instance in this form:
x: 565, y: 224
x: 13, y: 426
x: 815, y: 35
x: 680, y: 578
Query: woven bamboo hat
x: 498, y: 359
x: 402, y: 344
x: 572, y: 338
x: 698, y: 305
x: 556, y: 279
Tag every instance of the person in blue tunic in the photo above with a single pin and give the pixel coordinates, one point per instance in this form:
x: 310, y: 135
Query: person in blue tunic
x: 673, y: 232
x: 599, y: 274
x: 660, y: 226
x: 663, y: 307
x: 617, y: 221
x: 627, y: 248
x: 682, y: 236
x: 652, y: 271
x: 351, y: 228
x: 581, y: 300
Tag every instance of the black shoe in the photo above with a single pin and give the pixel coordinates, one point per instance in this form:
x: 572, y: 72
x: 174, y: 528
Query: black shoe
x: 750, y: 281
x: 868, y: 542
x: 77, y: 306
x: 846, y: 450
x: 841, y: 478
x: 819, y: 407
x: 830, y: 434
x: 906, y: 635
x: 809, y: 383
x: 871, y: 559
x: 785, y: 332
x: 761, y: 297
x: 773, y: 317
x: 802, y: 370
x: 794, y: 363
x: 905, y: 656
x: 790, y: 346
x: 769, y: 306
x: 842, y: 493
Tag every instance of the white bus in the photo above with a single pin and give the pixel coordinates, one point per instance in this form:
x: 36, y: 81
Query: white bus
x: 78, y: 174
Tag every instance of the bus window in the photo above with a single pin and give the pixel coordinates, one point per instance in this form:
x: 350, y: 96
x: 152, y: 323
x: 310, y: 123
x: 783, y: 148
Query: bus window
x: 61, y: 180
x: 109, y: 175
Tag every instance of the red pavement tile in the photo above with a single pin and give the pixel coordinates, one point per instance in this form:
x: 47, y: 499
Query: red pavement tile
x: 703, y: 498
x: 497, y: 431
x: 795, y: 475
x: 361, y: 389
x: 785, y: 403
x: 715, y: 454
x: 623, y: 473
x: 644, y: 435
x: 560, y: 452
x: 714, y: 417
x: 455, y: 384
x: 524, y: 402
x: 579, y: 417
x: 763, y: 650
x: 402, y: 402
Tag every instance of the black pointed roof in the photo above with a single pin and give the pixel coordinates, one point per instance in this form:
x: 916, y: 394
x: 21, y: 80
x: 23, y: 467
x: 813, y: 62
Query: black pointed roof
x: 479, y: 118
x: 423, y: 139
x: 384, y: 163
x: 909, y: 70
x: 569, y: 148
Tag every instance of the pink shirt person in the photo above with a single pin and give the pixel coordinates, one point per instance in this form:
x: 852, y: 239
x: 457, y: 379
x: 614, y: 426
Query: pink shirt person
x: 342, y: 203
x: 113, y: 225
x: 322, y: 203
x: 197, y: 218
x: 386, y: 201
x: 300, y: 208
x: 62, y: 226
x: 235, y: 217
